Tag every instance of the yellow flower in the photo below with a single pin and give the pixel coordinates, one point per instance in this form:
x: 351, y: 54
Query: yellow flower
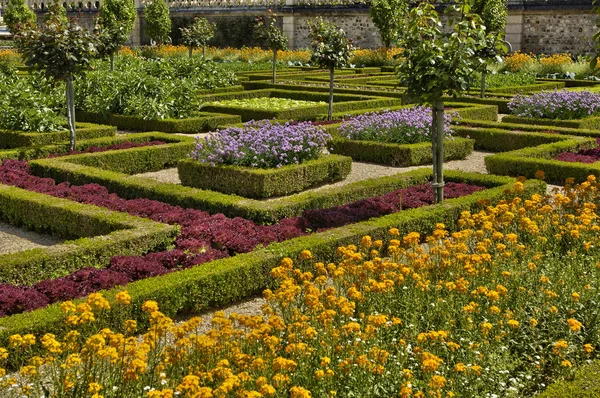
x: 94, y: 388
x: 68, y: 307
x: 123, y: 298
x: 28, y: 371
x: 574, y: 324
x: 513, y: 323
x: 566, y: 364
x: 97, y: 302
x: 486, y: 327
x: 150, y: 306
x: 305, y: 255
x: 299, y: 392
x: 533, y: 322
x: 437, y: 381
x: 394, y: 231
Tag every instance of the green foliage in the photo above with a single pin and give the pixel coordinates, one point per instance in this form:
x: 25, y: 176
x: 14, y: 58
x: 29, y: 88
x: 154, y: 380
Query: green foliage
x: 100, y: 234
x: 436, y: 61
x: 389, y: 16
x: 158, y: 21
x: 198, y: 33
x: 58, y: 12
x: 116, y: 19
x: 59, y: 48
x: 493, y: 14
x: 26, y: 107
x: 330, y: 46
x: 585, y: 384
x: 26, y: 140
x: 151, y: 89
x: 274, y: 104
x: 264, y: 183
x: 266, y: 29
x: 591, y: 123
x: 399, y: 155
x: 18, y: 16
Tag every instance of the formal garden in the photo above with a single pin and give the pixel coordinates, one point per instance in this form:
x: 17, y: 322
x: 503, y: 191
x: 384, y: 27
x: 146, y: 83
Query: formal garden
x: 419, y: 220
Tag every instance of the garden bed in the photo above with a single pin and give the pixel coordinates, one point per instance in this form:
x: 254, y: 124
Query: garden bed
x: 589, y: 123
x: 264, y: 183
x: 14, y: 139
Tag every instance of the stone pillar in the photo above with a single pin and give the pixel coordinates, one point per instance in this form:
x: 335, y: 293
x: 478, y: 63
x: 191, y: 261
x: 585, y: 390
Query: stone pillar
x: 514, y: 28
x: 289, y: 24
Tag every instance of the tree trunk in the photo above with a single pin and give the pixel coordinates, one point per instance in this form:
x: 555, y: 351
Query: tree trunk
x: 330, y: 111
x: 203, y: 51
x: 70, y: 92
x: 483, y: 73
x: 112, y: 62
x: 437, y: 144
x: 190, y: 51
x: 274, y: 65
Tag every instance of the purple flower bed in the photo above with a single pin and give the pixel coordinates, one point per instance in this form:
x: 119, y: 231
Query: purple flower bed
x: 583, y: 156
x: 203, y: 238
x: 120, y: 146
x: 564, y: 105
x: 262, y: 144
x: 405, y: 126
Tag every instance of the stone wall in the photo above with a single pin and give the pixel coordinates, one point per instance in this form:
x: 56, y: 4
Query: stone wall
x: 551, y: 32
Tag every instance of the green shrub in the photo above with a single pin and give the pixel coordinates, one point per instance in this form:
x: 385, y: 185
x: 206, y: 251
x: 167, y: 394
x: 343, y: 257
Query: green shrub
x: 100, y: 234
x: 16, y: 139
x: 590, y: 123
x: 264, y: 183
x: 585, y: 384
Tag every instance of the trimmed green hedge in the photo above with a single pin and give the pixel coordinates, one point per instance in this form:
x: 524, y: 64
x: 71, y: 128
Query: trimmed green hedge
x: 529, y: 128
x: 36, y: 152
x: 526, y: 162
x: 364, y: 90
x: 399, y: 155
x: 585, y: 384
x: 501, y: 103
x: 590, y: 123
x: 14, y: 139
x: 342, y: 103
x: 264, y: 183
x: 572, y: 82
x: 501, y: 140
x: 201, y: 122
x: 100, y: 234
x: 224, y: 281
x: 525, y: 89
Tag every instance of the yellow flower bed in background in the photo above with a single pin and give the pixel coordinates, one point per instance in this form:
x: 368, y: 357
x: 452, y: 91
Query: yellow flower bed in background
x: 502, y: 306
x: 518, y: 61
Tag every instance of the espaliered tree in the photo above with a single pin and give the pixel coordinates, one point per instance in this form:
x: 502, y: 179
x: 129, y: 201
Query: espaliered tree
x: 116, y: 20
x: 158, y: 21
x: 198, y: 34
x: 330, y: 49
x: 61, y: 49
x: 388, y: 16
x: 596, y: 37
x: 18, y: 16
x: 267, y: 29
x: 439, y: 62
x: 493, y: 15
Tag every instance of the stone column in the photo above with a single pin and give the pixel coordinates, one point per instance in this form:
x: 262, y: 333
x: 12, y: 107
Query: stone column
x: 514, y: 28
x: 289, y: 22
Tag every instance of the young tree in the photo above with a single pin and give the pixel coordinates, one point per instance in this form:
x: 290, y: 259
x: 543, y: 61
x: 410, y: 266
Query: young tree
x: 493, y: 15
x: 330, y: 49
x: 198, y: 34
x: 18, y: 15
x: 266, y: 29
x: 116, y: 20
x: 440, y: 62
x: 388, y: 16
x: 62, y: 50
x: 158, y: 21
x: 57, y: 11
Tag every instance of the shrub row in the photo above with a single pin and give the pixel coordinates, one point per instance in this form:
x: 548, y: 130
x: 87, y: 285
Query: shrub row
x: 526, y: 162
x: 36, y: 152
x: 224, y: 281
x: 502, y: 140
x: 529, y: 128
x: 202, y: 122
x: 363, y: 90
x: 264, y: 183
x: 500, y: 102
x: 590, y: 123
x: 14, y: 139
x: 100, y: 234
x: 399, y: 155
x: 525, y: 89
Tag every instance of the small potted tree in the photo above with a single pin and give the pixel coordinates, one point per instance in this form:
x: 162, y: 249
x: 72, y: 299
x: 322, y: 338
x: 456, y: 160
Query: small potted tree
x: 61, y: 49
x: 18, y: 15
x: 158, y: 21
x: 266, y: 29
x: 116, y: 20
x: 198, y: 34
x: 330, y: 49
x: 438, y: 62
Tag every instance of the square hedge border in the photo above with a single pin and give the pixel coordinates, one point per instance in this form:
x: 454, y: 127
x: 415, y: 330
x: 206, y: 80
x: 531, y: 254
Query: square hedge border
x: 199, y: 123
x: 257, y: 183
x: 224, y: 281
x: 99, y: 235
x: 589, y: 123
x: 10, y: 139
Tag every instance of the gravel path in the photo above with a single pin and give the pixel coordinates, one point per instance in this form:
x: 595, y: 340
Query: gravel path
x: 360, y: 171
x: 13, y: 239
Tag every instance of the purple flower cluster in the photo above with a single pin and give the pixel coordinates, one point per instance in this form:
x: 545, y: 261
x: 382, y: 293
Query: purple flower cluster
x: 564, y: 105
x: 203, y: 238
x: 583, y: 156
x: 262, y: 144
x: 405, y: 126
